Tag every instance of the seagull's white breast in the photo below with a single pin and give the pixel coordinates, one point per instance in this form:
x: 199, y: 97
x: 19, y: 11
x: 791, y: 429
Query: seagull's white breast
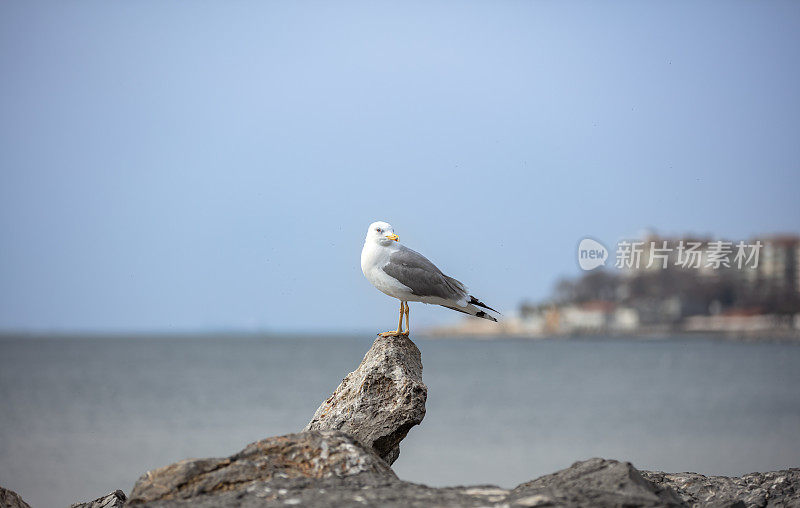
x: 373, y: 258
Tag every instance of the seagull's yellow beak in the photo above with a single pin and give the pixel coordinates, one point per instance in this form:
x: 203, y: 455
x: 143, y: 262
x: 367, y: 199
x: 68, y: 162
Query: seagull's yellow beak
x: 393, y: 237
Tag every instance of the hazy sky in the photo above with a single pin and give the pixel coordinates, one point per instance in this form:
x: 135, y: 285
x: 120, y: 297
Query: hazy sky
x: 214, y: 165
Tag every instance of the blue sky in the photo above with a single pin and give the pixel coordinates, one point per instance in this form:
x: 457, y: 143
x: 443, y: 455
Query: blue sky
x: 187, y: 166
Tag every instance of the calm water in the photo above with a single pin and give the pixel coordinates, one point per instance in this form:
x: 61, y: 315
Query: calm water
x: 82, y: 417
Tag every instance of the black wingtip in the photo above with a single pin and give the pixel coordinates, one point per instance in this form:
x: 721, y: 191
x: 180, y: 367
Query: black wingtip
x: 484, y: 315
x: 475, y: 301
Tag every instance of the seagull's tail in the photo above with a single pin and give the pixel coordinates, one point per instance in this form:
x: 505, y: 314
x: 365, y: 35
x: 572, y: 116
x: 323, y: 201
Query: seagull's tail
x: 473, y: 310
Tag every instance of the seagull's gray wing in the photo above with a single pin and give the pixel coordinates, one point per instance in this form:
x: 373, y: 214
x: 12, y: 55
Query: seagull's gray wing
x: 414, y: 270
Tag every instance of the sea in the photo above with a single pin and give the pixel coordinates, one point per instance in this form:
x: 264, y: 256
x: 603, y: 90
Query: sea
x: 83, y: 416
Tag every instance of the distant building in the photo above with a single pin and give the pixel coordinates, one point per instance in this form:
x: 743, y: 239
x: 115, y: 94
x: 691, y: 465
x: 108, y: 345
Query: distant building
x: 779, y: 266
x: 592, y: 317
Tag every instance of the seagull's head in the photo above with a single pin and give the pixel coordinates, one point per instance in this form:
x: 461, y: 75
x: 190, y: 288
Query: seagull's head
x: 382, y: 233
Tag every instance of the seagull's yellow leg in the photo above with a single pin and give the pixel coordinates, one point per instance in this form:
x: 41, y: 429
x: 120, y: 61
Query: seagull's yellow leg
x: 408, y: 324
x: 399, y: 330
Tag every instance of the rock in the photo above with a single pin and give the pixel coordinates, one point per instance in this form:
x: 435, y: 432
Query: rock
x: 593, y: 482
x: 776, y: 488
x: 381, y: 400
x: 115, y: 499
x: 306, y: 456
x: 328, y: 493
x: 331, y: 469
x: 10, y: 499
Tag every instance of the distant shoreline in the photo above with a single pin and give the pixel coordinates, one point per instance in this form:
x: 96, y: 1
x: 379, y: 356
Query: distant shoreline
x: 778, y: 336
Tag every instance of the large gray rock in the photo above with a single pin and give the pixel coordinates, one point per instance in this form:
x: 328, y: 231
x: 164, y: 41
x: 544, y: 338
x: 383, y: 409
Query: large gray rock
x: 776, y: 488
x: 330, y: 469
x: 114, y: 499
x: 381, y: 400
x: 331, y: 493
x: 306, y: 456
x: 10, y: 499
x: 593, y: 482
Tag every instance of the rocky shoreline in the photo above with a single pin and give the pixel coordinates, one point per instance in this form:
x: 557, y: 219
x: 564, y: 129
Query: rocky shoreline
x: 344, y: 454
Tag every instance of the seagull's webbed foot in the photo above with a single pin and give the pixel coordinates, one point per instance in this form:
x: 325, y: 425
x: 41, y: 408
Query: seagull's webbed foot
x: 399, y: 332
x: 393, y: 333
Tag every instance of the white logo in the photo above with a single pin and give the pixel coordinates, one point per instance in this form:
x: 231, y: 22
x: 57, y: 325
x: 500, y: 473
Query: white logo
x: 591, y: 254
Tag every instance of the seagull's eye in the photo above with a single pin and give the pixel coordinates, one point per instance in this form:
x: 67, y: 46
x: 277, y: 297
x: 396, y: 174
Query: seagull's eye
x: 379, y: 230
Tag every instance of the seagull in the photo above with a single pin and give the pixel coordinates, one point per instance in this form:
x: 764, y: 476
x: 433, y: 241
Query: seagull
x: 408, y: 276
